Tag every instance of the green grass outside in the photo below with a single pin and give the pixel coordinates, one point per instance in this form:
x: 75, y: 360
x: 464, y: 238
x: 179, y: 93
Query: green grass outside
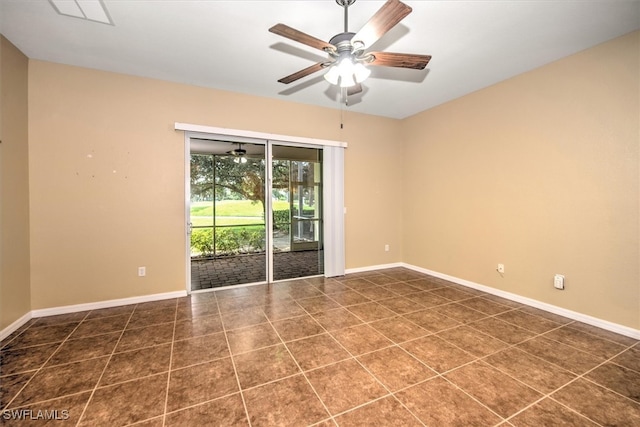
x: 231, y: 212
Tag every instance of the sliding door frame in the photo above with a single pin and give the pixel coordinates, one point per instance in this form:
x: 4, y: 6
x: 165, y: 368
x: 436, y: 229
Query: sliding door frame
x: 333, y: 189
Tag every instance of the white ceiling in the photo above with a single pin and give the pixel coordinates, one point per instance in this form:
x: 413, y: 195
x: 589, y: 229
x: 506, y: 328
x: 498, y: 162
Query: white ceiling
x: 226, y: 44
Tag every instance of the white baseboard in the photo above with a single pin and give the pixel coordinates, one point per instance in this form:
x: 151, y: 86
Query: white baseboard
x: 590, y: 320
x: 86, y: 307
x: 373, y: 268
x: 14, y: 326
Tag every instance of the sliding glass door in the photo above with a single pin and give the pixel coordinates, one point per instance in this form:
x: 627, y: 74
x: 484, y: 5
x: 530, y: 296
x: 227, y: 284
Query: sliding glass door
x: 232, y: 241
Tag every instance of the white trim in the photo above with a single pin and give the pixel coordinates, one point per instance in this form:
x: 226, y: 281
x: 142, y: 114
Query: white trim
x: 373, y: 268
x: 106, y: 304
x: 15, y: 326
x: 187, y: 210
x: 87, y: 307
x: 594, y: 321
x: 187, y: 127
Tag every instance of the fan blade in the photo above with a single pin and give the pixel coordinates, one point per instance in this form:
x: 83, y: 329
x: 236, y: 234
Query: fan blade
x: 300, y: 37
x: 392, y: 12
x: 355, y: 89
x: 302, y: 73
x: 401, y: 60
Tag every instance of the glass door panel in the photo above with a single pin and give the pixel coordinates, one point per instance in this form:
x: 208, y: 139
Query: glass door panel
x: 228, y: 231
x: 297, y: 210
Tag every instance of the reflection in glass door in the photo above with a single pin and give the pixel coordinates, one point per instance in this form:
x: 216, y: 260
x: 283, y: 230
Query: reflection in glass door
x: 297, y: 212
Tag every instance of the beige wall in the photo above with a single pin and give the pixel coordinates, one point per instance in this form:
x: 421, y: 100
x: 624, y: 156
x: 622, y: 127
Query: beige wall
x: 541, y: 173
x: 107, y: 178
x: 14, y: 189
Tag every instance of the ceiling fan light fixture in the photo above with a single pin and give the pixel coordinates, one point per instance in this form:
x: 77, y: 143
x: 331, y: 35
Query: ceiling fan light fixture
x: 345, y: 73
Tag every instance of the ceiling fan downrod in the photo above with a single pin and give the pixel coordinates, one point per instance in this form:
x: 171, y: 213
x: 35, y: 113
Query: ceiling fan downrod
x: 345, y: 4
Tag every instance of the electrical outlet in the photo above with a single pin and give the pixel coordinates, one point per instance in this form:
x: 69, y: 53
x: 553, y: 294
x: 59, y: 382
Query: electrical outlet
x: 500, y: 268
x: 386, y: 248
x: 142, y: 271
x: 558, y: 281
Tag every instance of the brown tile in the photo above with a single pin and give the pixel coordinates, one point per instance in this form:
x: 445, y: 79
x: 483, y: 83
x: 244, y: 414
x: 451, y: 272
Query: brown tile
x: 33, y: 336
x: 137, y: 364
x: 561, y: 355
x: 460, y: 312
x: 498, y: 391
x: 145, y: 337
x: 288, y: 402
x: 84, y: 348
x: 380, y: 279
x: 198, y: 350
x: 332, y: 287
x: 371, y: 311
x: 437, y: 353
x: 401, y: 305
x: 439, y: 403
x: 528, y: 321
x: 200, y: 383
x: 361, y: 339
x: 586, y: 342
x: 452, y: 294
x: 629, y: 359
x: 232, y: 305
x: 265, y: 365
x: 151, y: 422
x: 504, y: 331
x: 395, y: 368
x: 101, y: 325
x: 111, y: 311
x: 361, y: 282
x: 57, y: 381
x: 611, y: 408
x: 472, y: 340
x: 225, y: 411
x: 305, y: 291
x: 619, y: 379
x: 376, y: 293
x: 60, y: 319
x: 345, y: 385
x: 25, y: 359
x: 603, y: 333
x: 399, y: 329
x: 426, y: 284
x: 533, y: 371
x: 549, y: 413
x: 316, y: 351
x: 432, y: 320
x: 197, y: 326
x: 195, y: 311
x: 318, y: 304
x: 283, y: 310
x: 503, y: 301
x: 244, y: 318
x: 336, y: 319
x: 401, y: 288
x: 403, y: 274
x: 485, y: 305
x: 144, y: 318
x: 298, y: 327
x: 252, y: 338
x: 10, y: 385
x: 386, y: 412
x: 63, y: 411
x: 428, y: 299
x: 346, y: 298
x: 127, y: 402
x: 546, y: 315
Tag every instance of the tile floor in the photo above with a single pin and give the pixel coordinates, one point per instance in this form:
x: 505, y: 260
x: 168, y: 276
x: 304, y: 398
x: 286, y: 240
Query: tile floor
x: 385, y: 348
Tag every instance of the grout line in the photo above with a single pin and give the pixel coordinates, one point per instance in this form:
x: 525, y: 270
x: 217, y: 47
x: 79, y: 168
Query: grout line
x: 233, y: 363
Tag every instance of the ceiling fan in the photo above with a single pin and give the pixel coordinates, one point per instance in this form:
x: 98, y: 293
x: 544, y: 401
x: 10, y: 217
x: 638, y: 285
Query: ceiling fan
x: 239, y: 154
x: 348, y: 57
